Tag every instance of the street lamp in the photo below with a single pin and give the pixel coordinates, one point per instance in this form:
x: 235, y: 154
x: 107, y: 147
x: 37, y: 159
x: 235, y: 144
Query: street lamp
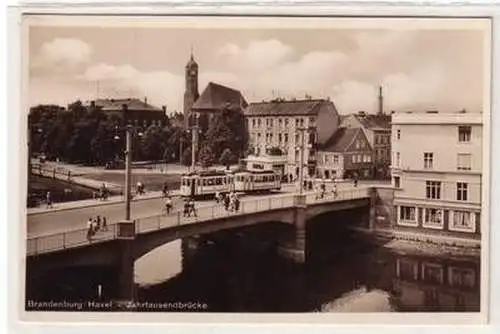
x: 128, y: 159
x: 194, y: 129
x: 301, y: 147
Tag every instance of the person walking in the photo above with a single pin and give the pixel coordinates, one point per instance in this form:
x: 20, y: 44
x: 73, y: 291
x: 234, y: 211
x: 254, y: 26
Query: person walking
x: 48, y: 199
x: 168, y: 205
x: 104, y: 224
x: 192, y: 206
x: 90, y: 229
x: 187, y: 211
x: 227, y: 202
x: 98, y: 223
x: 236, y: 204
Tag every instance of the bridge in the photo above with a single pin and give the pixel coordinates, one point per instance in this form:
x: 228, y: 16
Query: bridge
x: 123, y: 242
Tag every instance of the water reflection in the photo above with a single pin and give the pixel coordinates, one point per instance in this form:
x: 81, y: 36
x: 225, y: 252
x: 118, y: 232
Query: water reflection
x: 242, y: 273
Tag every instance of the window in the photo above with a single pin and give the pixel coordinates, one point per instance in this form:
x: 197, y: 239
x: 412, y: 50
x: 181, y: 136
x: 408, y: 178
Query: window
x: 286, y: 137
x: 461, y: 277
x: 397, y: 182
x: 464, y: 161
x: 353, y: 159
x: 297, y: 122
x: 280, y: 137
x: 259, y: 122
x: 297, y: 138
x: 253, y: 123
x: 407, y: 214
x: 397, y: 159
x: 433, y: 218
x: 428, y: 160
x: 462, y: 191
x: 398, y: 134
x: 280, y: 122
x: 271, y: 122
x: 335, y: 159
x: 464, y: 133
x: 433, y: 189
x: 301, y: 122
x: 463, y: 221
x: 286, y: 122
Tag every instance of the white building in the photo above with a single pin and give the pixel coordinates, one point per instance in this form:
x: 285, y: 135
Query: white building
x: 274, y: 125
x: 437, y: 168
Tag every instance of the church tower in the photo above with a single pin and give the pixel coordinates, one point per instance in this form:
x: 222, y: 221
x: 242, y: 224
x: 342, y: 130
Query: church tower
x: 191, y: 93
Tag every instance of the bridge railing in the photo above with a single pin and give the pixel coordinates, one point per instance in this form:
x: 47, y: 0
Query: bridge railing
x: 204, y: 213
x: 78, y: 237
x: 339, y: 195
x: 69, y: 239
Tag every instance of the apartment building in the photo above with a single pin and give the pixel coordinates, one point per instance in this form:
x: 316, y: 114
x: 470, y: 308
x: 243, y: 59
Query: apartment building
x: 437, y: 171
x: 276, y: 125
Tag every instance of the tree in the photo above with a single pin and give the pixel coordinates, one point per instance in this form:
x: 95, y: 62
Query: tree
x: 186, y: 157
x: 206, y: 156
x: 226, y: 158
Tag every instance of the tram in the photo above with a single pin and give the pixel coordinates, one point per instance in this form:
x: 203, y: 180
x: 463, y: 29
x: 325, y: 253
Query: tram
x: 208, y: 183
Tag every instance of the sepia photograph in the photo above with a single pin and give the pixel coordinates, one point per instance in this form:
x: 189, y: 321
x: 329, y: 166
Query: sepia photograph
x: 255, y: 165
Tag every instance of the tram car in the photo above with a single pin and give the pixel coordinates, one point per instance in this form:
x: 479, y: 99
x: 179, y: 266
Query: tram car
x: 208, y: 183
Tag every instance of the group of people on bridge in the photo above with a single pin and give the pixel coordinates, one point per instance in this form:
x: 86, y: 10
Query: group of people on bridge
x: 231, y: 201
x: 94, y: 225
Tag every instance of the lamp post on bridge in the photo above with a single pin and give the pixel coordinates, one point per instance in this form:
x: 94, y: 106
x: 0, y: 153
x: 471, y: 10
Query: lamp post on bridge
x: 128, y: 160
x: 301, y: 147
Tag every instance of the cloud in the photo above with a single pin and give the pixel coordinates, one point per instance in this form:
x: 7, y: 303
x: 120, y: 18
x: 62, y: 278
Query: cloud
x: 413, y: 75
x: 62, y: 54
x: 257, y: 55
x: 160, y: 87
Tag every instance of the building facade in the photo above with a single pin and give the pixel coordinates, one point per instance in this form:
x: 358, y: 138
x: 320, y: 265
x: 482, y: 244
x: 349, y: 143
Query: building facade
x: 437, y: 171
x: 138, y: 112
x: 289, y: 126
x: 377, y: 128
x: 346, y: 155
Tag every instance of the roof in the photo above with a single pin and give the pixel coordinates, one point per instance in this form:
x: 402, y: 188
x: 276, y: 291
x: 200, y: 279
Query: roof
x: 371, y: 121
x: 341, y: 140
x: 132, y: 104
x: 285, y: 107
x: 217, y: 97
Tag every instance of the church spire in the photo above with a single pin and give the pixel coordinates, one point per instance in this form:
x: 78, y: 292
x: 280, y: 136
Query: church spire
x: 192, y: 53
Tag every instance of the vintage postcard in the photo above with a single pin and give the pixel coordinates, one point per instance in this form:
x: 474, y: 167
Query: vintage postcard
x: 192, y: 168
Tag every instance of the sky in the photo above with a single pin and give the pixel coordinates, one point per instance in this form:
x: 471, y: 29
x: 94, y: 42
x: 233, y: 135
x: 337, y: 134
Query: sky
x: 418, y: 69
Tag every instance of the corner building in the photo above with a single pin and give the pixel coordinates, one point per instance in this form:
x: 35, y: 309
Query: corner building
x: 437, y: 172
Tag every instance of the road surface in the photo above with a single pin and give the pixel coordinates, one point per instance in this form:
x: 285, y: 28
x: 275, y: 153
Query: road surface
x: 57, y: 221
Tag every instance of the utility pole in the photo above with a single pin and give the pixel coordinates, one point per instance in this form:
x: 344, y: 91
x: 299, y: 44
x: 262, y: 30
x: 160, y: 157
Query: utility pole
x: 194, y: 145
x: 302, y: 131
x: 128, y: 170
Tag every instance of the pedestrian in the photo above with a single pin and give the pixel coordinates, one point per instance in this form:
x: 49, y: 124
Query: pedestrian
x: 355, y: 181
x: 192, y: 206
x: 168, y: 205
x: 217, y: 196
x: 89, y: 229
x: 48, y: 199
x: 334, y: 190
x: 98, y: 223
x: 187, y: 212
x: 104, y: 224
x: 236, y: 204
x: 165, y: 189
x: 227, y: 201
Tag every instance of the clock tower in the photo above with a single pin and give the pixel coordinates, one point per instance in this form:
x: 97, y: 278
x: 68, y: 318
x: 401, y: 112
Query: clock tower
x: 191, y: 93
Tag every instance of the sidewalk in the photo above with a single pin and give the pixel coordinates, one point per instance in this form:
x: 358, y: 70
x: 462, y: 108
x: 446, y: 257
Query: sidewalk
x: 95, y: 202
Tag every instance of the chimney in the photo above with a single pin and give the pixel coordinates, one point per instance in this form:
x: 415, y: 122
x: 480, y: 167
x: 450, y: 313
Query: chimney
x: 380, y: 101
x: 145, y: 100
x: 164, y: 108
